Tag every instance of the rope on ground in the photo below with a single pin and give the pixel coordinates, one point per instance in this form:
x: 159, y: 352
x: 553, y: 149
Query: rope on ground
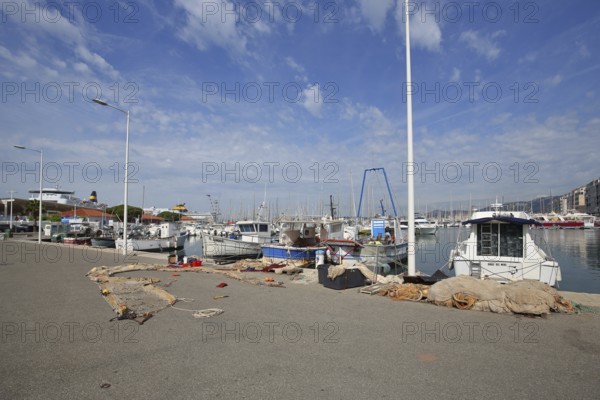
x: 206, y: 313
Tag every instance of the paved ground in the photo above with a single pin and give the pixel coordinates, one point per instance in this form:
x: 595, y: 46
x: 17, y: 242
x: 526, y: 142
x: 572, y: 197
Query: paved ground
x: 301, y: 341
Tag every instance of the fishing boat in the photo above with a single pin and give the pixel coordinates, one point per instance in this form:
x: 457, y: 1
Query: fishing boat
x: 500, y: 246
x: 298, y: 242
x: 76, y: 238
x: 385, y: 244
x: 104, y: 241
x: 384, y: 248
x: 243, y: 242
x: 168, y: 236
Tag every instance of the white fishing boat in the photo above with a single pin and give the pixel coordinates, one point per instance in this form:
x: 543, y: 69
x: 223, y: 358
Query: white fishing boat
x: 168, y: 236
x: 386, y: 246
x: 243, y: 242
x: 500, y: 246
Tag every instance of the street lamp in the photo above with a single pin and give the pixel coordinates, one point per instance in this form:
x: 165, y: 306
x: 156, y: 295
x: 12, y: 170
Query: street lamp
x: 11, y: 208
x: 104, y: 103
x: 41, y: 191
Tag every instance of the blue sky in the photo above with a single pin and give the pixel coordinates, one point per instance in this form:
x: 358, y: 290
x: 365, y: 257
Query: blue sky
x: 298, y: 98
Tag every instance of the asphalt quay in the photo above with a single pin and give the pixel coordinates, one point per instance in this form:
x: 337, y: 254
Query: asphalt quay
x: 59, y: 339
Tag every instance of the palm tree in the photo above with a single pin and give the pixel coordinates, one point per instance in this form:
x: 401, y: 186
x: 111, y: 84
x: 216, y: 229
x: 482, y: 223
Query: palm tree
x: 32, y: 210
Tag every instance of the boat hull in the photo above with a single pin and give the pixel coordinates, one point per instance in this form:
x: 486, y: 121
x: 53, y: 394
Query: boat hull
x: 157, y: 244
x: 563, y: 224
x: 278, y: 253
x: 84, y: 241
x: 219, y: 248
x: 350, y: 252
x: 430, y: 230
x: 104, y: 242
x: 508, y: 271
x: 387, y: 253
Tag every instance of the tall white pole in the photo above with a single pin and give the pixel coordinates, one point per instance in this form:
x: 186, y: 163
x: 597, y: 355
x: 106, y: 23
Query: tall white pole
x: 410, y: 169
x: 125, y: 196
x: 12, y: 200
x: 41, y: 196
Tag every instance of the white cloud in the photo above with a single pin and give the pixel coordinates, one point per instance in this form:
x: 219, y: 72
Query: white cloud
x: 375, y: 12
x: 82, y: 68
x: 455, y: 75
x: 483, y: 44
x: 554, y: 81
x: 528, y: 58
x: 312, y: 100
x: 209, y: 23
x: 21, y: 60
x: 97, y: 61
x: 298, y: 68
x: 424, y: 32
x: 583, y: 50
x: 501, y: 118
x: 376, y: 122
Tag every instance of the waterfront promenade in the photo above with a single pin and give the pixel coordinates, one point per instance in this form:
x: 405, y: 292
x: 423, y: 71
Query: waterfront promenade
x: 301, y: 341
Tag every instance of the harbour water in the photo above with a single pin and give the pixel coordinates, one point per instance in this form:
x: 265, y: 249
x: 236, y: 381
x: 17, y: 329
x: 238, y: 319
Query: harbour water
x: 576, y: 250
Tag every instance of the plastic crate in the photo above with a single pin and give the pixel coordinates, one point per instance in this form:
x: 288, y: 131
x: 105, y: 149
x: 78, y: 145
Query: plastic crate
x: 350, y: 279
x: 322, y: 272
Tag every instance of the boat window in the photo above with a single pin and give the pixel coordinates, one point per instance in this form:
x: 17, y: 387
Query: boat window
x: 487, y: 239
x: 264, y: 228
x: 511, y: 241
x: 502, y: 240
x: 246, y: 228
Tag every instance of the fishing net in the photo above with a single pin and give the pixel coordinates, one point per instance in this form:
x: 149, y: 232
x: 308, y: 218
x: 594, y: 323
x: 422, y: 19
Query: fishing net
x: 521, y: 297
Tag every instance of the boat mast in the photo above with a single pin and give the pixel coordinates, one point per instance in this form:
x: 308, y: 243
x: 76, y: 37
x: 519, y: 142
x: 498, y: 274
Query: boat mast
x: 410, y: 168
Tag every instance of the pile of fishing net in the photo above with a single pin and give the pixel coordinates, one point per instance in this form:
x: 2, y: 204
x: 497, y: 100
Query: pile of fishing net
x: 520, y: 297
x: 406, y: 291
x: 333, y: 271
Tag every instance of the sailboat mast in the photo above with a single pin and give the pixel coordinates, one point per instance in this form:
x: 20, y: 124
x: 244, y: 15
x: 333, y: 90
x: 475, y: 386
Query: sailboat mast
x: 410, y: 168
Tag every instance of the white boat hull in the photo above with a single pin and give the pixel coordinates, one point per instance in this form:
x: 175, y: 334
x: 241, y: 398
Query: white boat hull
x: 218, y: 247
x: 388, y: 253
x: 426, y: 230
x: 508, y: 271
x: 350, y: 252
x: 156, y: 244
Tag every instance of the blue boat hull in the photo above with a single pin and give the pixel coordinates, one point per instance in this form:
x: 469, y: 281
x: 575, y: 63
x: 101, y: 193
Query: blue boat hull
x: 281, y: 253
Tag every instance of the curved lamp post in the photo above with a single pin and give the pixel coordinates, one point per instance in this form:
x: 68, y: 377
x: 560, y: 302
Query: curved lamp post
x: 41, y: 191
x: 125, y: 196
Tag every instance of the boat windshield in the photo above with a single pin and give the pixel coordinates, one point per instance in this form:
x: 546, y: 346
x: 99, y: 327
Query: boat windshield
x: 246, y: 228
x: 252, y: 228
x: 502, y: 240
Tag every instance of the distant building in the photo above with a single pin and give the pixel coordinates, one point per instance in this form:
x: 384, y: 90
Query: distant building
x: 573, y: 201
x: 592, y: 197
x: 89, y: 215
